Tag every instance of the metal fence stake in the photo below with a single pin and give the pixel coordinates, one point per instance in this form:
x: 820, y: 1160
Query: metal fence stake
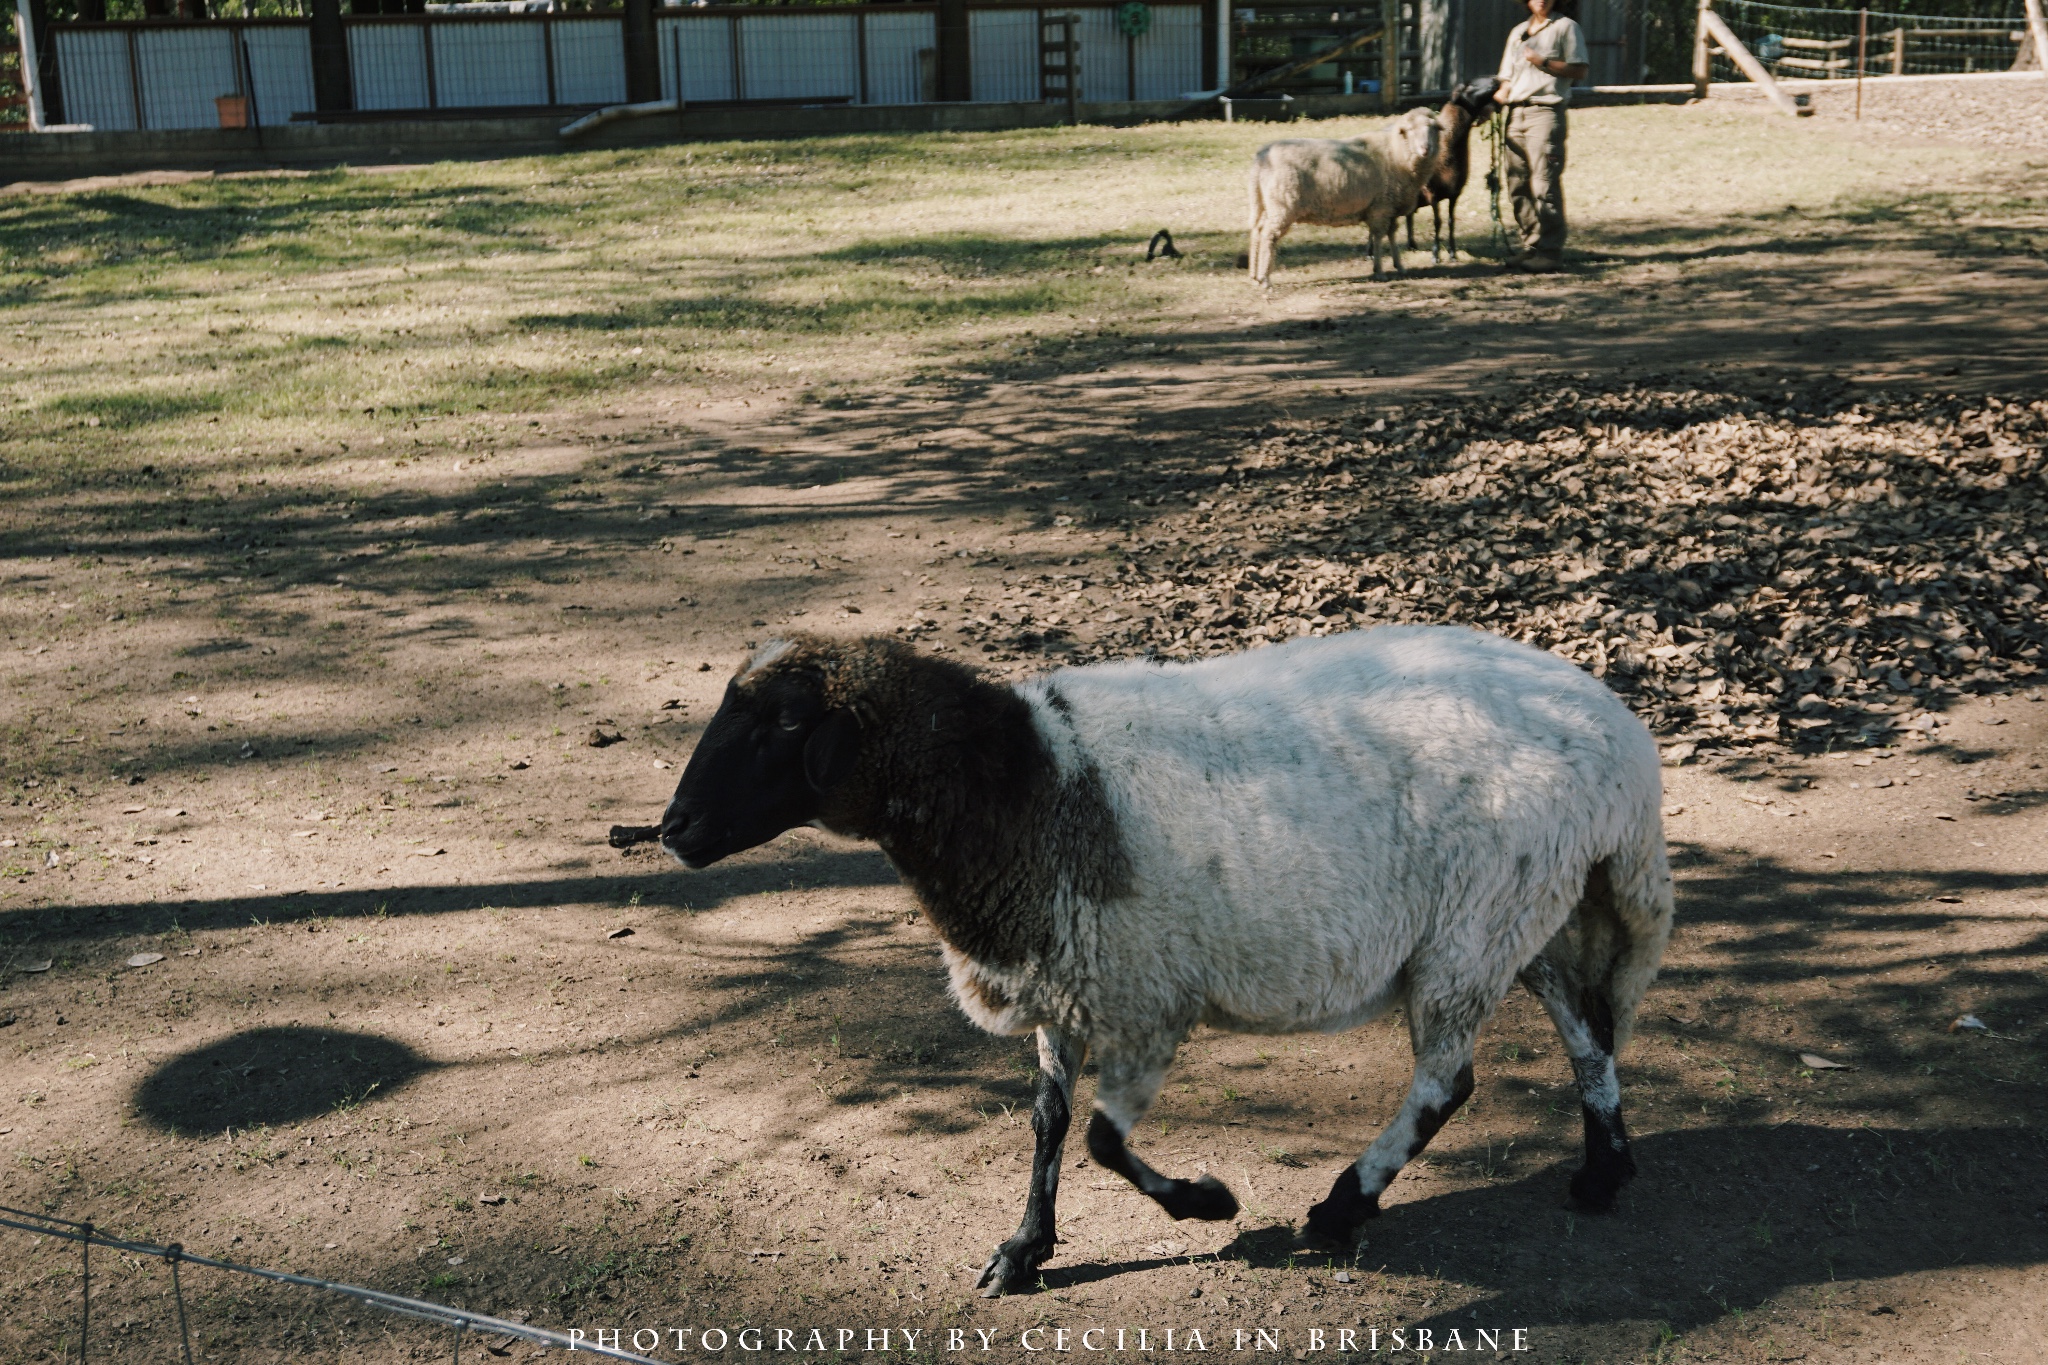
x: 84, y: 1290
x: 171, y: 1254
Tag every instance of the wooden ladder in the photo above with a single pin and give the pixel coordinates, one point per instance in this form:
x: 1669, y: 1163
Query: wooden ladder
x: 1059, y: 61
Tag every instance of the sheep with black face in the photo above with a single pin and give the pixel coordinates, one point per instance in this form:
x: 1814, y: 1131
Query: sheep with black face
x: 1294, y: 839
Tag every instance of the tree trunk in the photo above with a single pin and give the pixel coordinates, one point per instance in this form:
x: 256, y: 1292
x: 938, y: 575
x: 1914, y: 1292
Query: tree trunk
x: 643, y: 53
x: 334, y: 86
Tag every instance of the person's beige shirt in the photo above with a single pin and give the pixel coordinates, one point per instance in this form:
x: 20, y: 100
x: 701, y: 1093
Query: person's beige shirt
x: 1558, y: 40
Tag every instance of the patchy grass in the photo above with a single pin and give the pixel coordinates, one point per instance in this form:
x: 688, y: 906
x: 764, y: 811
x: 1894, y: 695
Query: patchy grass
x: 281, y: 319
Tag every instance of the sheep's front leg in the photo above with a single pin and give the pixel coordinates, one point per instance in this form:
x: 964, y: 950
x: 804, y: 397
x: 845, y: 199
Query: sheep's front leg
x: 1014, y: 1266
x: 1442, y: 1035
x: 1125, y: 1092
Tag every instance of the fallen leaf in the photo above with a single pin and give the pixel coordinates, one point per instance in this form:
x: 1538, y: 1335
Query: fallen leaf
x: 672, y: 704
x: 490, y: 1199
x: 133, y: 810
x: 145, y: 959
x: 620, y: 933
x: 519, y: 765
x: 1166, y: 1249
x: 428, y: 852
x: 1674, y: 809
x: 39, y: 966
x: 663, y: 763
x: 599, y: 738
x: 1969, y: 1022
x: 1808, y: 1059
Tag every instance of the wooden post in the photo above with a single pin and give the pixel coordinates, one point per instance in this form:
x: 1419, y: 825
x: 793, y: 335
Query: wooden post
x: 334, y: 87
x: 39, y: 63
x: 1702, y: 62
x: 1899, y: 50
x: 1390, y: 54
x: 1751, y: 67
x: 2038, y: 31
x: 1862, y: 50
x: 643, y: 54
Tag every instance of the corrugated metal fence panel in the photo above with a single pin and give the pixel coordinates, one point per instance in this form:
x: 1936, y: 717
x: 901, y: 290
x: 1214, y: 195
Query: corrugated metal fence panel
x: 798, y: 56
x: 182, y: 70
x: 894, y: 40
x: 1002, y: 47
x: 482, y: 64
x: 93, y: 67
x: 590, y: 62
x: 706, y: 59
x: 281, y: 67
x: 1105, y: 70
x: 390, y: 62
x: 1169, y: 56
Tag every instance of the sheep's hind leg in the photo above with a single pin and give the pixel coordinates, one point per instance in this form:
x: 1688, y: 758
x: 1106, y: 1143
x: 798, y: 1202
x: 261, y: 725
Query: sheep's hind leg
x: 1014, y: 1266
x: 1121, y: 1099
x: 1585, y: 1021
x: 1442, y: 1036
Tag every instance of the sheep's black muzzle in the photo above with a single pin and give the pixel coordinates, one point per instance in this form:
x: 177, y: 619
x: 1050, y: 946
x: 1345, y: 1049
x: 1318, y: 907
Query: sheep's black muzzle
x: 693, y: 838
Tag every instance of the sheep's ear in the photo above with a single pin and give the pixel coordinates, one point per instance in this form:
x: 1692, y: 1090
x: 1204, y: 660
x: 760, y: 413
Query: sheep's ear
x: 831, y: 751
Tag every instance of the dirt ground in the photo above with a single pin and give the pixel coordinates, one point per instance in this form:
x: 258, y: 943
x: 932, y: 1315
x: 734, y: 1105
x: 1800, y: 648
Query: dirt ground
x: 414, y: 1025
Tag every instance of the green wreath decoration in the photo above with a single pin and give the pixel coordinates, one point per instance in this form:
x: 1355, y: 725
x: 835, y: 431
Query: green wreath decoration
x: 1134, y: 19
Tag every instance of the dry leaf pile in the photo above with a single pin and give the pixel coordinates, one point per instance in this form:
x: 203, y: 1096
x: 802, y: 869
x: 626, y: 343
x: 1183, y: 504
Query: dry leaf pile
x: 1745, y: 568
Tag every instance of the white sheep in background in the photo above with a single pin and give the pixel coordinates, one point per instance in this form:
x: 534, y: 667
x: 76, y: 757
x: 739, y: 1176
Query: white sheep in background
x: 1298, y: 838
x: 1376, y: 178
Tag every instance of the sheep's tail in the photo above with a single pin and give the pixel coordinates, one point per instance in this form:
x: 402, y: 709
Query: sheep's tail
x: 1624, y: 922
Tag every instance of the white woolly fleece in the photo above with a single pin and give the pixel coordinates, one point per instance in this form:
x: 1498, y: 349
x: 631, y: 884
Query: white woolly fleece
x: 1324, y: 828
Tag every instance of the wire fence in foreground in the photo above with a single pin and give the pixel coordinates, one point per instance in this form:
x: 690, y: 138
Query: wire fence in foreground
x: 459, y: 1320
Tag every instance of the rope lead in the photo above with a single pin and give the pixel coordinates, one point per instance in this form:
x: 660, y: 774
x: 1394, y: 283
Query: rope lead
x: 1496, y: 129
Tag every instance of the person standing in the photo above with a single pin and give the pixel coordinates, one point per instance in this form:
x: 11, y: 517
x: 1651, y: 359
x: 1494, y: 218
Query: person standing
x: 1544, y: 55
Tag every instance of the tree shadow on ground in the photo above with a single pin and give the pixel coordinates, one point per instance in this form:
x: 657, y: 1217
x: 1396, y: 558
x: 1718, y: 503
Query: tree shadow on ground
x: 272, y: 1076
x: 1721, y: 1218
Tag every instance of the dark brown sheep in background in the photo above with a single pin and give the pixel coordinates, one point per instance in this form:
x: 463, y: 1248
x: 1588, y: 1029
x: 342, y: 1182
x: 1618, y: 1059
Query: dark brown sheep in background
x: 1468, y: 104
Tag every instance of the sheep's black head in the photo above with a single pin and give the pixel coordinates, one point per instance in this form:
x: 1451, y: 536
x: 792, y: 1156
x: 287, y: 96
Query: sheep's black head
x: 1476, y: 98
x: 767, y: 761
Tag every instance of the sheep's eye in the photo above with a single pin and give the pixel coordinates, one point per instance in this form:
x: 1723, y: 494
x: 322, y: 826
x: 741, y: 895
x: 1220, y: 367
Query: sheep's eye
x: 791, y: 723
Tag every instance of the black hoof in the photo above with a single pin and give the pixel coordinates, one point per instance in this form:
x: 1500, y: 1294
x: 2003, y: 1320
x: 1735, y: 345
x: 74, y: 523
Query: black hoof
x: 1595, y: 1187
x: 1013, y: 1269
x: 1334, y: 1223
x: 1207, y: 1199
